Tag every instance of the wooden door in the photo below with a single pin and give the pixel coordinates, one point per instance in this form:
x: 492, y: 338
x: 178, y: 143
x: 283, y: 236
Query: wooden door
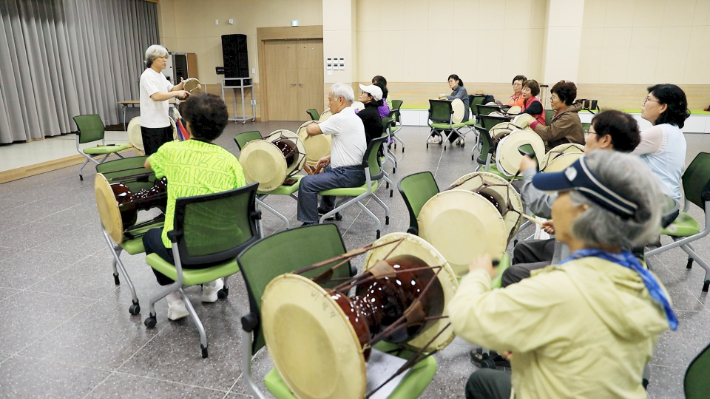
x: 281, y: 80
x: 310, y: 75
x: 294, y: 78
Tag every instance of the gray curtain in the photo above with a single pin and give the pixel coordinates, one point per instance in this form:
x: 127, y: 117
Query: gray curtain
x: 62, y: 58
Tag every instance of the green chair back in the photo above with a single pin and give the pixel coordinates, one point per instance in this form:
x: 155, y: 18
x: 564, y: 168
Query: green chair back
x: 487, y: 109
x: 696, y: 180
x: 696, y: 383
x: 243, y: 138
x: 396, y: 105
x: 387, y: 123
x: 585, y: 127
x: 286, y: 252
x: 313, y: 113
x: 91, y: 128
x: 440, y: 111
x: 416, y: 190
x: 371, y: 158
x: 528, y: 148
x: 549, y: 113
x: 475, y: 101
x: 487, y: 121
x: 215, y: 228
x: 117, y: 170
x: 486, y: 145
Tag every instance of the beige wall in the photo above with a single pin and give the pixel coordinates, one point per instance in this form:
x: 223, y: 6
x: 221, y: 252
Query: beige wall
x: 188, y: 26
x: 645, y: 42
x: 487, y: 41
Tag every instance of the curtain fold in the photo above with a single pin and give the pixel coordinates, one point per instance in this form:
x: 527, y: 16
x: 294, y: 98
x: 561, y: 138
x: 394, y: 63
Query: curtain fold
x: 62, y: 58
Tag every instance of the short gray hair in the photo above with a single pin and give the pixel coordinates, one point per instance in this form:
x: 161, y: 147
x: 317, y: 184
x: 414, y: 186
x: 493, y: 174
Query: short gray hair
x: 628, y: 176
x: 344, y: 91
x: 153, y: 52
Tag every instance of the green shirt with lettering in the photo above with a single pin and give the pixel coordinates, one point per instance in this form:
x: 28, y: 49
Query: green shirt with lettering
x: 194, y: 167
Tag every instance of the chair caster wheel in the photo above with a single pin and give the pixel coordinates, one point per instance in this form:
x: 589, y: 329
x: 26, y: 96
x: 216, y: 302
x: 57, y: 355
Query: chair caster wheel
x: 690, y: 263
x: 338, y: 216
x: 391, y: 193
x: 444, y: 148
x: 81, y: 177
x: 150, y: 321
x: 515, y: 242
x: 427, y: 146
x: 378, y: 234
x: 463, y: 145
x: 394, y: 170
x: 223, y: 293
x: 116, y: 280
x: 387, y: 220
x: 706, y: 284
x: 387, y: 185
x: 204, y: 351
x: 402, y: 149
x: 473, y: 158
x: 134, y: 309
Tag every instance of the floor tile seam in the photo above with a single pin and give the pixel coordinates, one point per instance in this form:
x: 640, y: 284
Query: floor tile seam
x: 10, y: 296
x: 668, y: 269
x: 169, y: 381
x: 98, y: 385
x: 55, y: 273
x: 142, y: 347
x: 235, y: 383
x: 60, y: 211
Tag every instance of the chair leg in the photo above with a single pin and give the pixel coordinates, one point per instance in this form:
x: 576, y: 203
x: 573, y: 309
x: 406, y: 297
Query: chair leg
x: 81, y: 176
x: 387, y: 209
x: 261, y: 203
x: 389, y: 185
x: 246, y: 365
x: 701, y: 262
x: 151, y: 320
x: 198, y: 324
x: 372, y: 215
x: 400, y: 141
x: 135, y: 307
x: 224, y: 292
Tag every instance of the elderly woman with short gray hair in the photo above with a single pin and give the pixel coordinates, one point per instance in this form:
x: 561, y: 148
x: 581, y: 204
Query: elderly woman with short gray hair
x: 587, y: 326
x: 155, y: 91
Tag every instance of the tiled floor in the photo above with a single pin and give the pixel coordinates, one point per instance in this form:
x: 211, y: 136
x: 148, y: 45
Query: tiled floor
x: 66, y: 331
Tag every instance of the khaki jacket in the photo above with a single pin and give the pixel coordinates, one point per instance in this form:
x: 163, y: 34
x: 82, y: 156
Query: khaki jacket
x: 581, y: 330
x: 565, y: 127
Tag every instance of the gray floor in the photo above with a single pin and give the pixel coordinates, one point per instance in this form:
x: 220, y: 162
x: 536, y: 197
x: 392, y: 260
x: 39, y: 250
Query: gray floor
x: 66, y: 331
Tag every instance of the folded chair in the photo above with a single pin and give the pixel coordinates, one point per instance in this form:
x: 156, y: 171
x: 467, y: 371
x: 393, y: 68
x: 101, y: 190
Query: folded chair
x: 685, y: 229
x: 265, y: 260
x: 440, y: 121
x: 416, y: 190
x: 209, y: 230
x: 91, y: 128
x: 132, y: 240
x: 373, y: 174
x: 242, y: 139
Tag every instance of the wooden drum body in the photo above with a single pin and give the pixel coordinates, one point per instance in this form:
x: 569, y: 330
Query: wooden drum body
x: 272, y: 159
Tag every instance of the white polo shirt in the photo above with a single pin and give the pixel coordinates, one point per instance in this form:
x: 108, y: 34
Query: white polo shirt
x: 348, y: 134
x: 154, y: 114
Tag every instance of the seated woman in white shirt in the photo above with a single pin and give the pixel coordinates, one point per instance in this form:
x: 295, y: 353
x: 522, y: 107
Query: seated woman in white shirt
x: 663, y: 146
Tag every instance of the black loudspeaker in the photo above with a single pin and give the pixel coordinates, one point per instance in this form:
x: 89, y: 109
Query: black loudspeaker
x: 234, y: 54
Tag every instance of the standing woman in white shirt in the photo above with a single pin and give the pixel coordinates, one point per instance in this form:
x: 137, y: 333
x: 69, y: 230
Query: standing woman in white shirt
x: 156, y: 90
x: 663, y: 146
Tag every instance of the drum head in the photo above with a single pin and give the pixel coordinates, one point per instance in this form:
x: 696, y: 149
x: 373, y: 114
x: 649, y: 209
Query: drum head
x: 523, y: 120
x: 502, y: 129
x: 311, y: 341
x: 501, y: 191
x: 192, y: 86
x: 296, y: 166
x: 108, y: 208
x: 514, y: 110
x: 316, y: 147
x: 507, y: 156
x: 263, y: 162
x: 416, y: 246
x: 560, y: 157
x: 459, y: 110
x: 358, y: 105
x: 134, y: 134
x: 462, y: 225
x: 325, y: 115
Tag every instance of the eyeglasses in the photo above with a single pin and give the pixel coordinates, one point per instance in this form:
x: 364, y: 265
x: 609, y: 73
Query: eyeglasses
x: 649, y: 99
x: 517, y: 84
x: 554, y: 97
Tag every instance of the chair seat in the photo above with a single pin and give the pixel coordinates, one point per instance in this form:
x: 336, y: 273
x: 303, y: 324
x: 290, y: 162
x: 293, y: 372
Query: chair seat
x: 105, y: 149
x: 284, y: 190
x: 350, y: 191
x: 470, y: 122
x: 683, y: 226
x: 447, y: 126
x: 135, y: 246
x: 412, y: 385
x: 192, y: 276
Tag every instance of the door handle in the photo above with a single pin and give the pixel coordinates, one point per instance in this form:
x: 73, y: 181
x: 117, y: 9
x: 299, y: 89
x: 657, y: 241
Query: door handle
x: 293, y: 84
x: 300, y: 84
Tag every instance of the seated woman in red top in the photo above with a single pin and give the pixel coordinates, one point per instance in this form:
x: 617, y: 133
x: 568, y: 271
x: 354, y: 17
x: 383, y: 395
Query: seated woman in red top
x: 531, y: 104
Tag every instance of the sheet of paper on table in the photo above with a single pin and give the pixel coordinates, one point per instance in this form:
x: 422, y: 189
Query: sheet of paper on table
x: 380, y: 367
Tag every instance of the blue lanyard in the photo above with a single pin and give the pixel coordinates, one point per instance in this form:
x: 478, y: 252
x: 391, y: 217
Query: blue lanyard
x: 627, y: 259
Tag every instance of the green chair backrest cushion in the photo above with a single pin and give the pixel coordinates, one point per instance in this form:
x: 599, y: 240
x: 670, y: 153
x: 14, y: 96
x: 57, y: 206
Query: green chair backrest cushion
x: 696, y: 382
x: 91, y: 128
x: 549, y: 113
x: 117, y: 170
x: 417, y: 189
x: 313, y: 114
x: 243, y: 138
x: 440, y: 111
x: 696, y: 179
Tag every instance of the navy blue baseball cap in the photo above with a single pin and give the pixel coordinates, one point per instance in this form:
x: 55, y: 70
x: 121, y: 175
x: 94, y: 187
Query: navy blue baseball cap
x: 578, y: 177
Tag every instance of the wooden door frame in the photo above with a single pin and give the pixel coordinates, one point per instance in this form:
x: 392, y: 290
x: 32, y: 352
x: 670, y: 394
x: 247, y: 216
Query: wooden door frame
x: 279, y: 33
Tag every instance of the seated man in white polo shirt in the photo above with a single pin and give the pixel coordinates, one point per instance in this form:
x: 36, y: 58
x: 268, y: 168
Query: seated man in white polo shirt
x: 343, y: 167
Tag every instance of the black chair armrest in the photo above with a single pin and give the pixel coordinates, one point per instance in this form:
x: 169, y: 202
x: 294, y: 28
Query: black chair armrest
x: 249, y: 322
x: 175, y: 235
x: 256, y: 215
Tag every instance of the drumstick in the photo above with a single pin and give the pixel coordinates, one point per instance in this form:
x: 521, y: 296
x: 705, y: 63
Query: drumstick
x: 532, y: 219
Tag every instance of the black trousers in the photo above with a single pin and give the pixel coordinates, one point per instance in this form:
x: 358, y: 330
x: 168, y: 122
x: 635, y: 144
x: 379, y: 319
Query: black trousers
x: 528, y: 255
x: 153, y: 138
x: 489, y: 384
x: 153, y: 244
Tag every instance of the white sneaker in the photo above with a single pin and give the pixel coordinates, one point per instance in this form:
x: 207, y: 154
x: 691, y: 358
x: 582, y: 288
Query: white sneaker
x: 210, y: 290
x: 176, y: 306
x: 435, y: 139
